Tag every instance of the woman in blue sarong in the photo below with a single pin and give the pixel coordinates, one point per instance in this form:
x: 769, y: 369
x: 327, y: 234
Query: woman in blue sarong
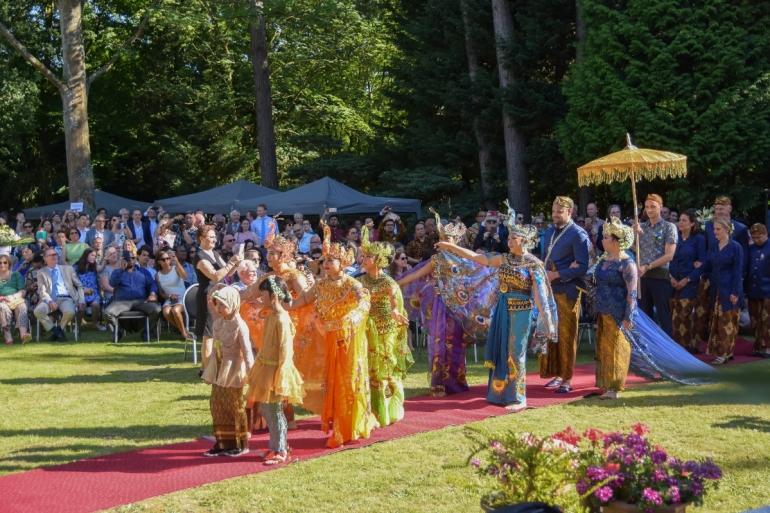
x: 524, y: 296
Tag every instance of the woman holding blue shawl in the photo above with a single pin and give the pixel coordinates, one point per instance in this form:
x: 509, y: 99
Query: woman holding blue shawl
x: 625, y: 336
x: 524, y: 295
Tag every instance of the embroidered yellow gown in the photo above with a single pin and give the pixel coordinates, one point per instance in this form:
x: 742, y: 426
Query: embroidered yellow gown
x: 342, y: 307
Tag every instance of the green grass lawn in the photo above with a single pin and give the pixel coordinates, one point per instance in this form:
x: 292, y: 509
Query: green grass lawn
x: 63, y: 402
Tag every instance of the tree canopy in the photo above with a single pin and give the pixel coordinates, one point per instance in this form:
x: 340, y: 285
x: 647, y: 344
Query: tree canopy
x: 377, y: 94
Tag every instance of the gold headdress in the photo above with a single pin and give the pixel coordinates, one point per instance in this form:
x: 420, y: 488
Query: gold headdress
x: 529, y: 233
x: 335, y: 250
x: 454, y: 230
x: 624, y: 234
x: 287, y: 247
x: 564, y: 202
x: 381, y: 251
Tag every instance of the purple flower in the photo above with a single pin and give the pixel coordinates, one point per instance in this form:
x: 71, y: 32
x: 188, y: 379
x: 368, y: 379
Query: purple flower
x: 476, y: 462
x: 496, y: 446
x: 674, y: 495
x: 581, y: 487
x: 651, y: 496
x: 658, y: 475
x: 658, y: 456
x: 696, y: 488
x: 596, y: 473
x: 604, y: 494
x: 709, y: 470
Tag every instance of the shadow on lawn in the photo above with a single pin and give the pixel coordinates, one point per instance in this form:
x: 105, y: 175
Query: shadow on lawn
x: 745, y: 422
x: 740, y: 385
x: 126, y: 438
x: 154, y: 374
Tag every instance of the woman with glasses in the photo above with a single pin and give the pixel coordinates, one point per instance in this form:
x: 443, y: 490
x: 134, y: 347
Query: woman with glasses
x: 171, y: 277
x: 12, y: 304
x: 399, y: 265
x: 74, y: 249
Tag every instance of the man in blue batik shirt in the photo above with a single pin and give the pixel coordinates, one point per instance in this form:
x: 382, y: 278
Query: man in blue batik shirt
x: 566, y: 262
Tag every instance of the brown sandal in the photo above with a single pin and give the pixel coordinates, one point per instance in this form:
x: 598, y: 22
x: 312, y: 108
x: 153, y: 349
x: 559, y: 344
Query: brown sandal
x: 276, y: 458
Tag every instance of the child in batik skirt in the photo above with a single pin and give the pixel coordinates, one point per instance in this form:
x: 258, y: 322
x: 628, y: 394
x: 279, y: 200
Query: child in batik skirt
x: 226, y: 370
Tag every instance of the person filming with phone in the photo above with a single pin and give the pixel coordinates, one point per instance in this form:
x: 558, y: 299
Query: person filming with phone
x: 134, y: 290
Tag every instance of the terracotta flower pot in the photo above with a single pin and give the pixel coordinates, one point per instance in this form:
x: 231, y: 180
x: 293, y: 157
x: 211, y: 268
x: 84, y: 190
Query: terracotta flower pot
x: 624, y: 507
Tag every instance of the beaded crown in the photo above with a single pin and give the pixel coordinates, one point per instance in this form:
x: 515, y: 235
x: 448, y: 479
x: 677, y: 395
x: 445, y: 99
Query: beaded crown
x: 454, y: 230
x: 381, y: 251
x: 624, y: 234
x: 529, y: 233
x: 335, y: 250
x: 280, y: 243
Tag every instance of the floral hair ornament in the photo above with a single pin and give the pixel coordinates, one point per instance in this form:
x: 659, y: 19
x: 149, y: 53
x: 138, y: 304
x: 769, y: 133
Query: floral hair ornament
x: 454, y: 230
x: 335, y: 250
x: 703, y: 216
x: 624, y: 234
x: 381, y: 251
x: 527, y: 232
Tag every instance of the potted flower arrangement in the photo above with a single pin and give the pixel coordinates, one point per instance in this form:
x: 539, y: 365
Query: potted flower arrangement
x: 625, y: 472
x: 520, y: 468
x: 589, y: 472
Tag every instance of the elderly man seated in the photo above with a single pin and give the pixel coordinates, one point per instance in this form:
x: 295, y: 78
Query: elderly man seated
x: 134, y: 290
x: 59, y: 289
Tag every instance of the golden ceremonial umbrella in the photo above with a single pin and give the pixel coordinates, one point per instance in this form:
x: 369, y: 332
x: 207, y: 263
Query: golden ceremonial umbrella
x: 633, y: 164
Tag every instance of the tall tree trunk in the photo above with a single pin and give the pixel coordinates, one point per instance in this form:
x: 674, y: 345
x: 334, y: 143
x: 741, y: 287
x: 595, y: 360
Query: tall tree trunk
x: 584, y: 195
x: 264, y: 105
x: 73, y: 89
x: 75, y: 104
x: 484, y: 147
x: 518, y: 179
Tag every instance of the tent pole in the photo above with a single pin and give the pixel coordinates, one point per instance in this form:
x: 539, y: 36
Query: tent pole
x: 636, y: 235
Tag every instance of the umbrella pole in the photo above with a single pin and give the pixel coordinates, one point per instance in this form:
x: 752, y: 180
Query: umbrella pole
x: 636, y: 235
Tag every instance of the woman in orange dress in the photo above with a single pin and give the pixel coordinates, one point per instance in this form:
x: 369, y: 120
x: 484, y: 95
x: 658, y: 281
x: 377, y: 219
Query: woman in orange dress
x: 309, y: 353
x: 342, y: 307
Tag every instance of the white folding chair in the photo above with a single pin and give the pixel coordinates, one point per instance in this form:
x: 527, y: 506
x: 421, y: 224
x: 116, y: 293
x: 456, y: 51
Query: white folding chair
x: 189, y: 304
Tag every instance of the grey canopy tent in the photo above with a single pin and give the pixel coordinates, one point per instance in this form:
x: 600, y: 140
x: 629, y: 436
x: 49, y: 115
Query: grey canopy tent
x: 315, y: 197
x: 237, y: 195
x: 112, y: 202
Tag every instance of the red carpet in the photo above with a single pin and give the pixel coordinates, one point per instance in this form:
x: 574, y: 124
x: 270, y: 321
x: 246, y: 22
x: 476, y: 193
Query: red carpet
x: 104, y: 482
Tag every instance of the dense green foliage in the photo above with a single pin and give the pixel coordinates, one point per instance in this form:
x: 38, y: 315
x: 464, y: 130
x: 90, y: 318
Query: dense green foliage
x: 689, y: 77
x: 377, y: 93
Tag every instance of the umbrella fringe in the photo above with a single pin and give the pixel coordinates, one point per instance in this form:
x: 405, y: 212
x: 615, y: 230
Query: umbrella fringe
x: 642, y: 170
